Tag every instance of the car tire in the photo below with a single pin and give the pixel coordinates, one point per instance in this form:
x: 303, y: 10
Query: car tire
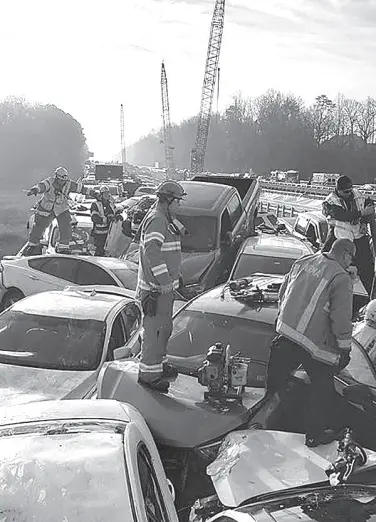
x: 11, y: 297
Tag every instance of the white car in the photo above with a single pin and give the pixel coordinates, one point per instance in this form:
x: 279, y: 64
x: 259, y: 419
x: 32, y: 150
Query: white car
x: 53, y: 344
x: 23, y: 276
x: 52, y: 233
x: 145, y: 189
x: 268, y: 254
x: 81, y: 461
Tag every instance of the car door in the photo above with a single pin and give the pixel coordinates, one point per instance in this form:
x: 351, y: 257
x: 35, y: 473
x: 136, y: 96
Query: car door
x: 40, y: 274
x: 152, y: 500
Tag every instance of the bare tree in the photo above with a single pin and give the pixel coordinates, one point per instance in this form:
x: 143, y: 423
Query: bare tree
x: 366, y: 120
x: 322, y: 119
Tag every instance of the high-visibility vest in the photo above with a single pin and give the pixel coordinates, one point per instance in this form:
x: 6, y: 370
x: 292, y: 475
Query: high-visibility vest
x: 345, y: 229
x: 305, y: 316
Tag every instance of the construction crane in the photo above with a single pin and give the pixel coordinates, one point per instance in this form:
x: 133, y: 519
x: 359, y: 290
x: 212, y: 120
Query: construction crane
x: 167, y: 140
x: 211, y: 71
x: 122, y: 139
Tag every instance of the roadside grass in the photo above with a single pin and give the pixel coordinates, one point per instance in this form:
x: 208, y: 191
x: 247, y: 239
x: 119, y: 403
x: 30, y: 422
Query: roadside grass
x: 14, y: 213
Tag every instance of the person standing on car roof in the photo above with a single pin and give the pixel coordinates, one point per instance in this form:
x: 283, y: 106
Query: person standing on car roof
x: 158, y: 277
x: 80, y: 239
x: 103, y: 212
x: 314, y: 327
x: 348, y: 213
x: 54, y: 203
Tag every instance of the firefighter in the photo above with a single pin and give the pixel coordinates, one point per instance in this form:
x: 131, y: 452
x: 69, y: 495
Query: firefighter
x: 158, y: 277
x: 102, y: 212
x: 348, y: 213
x: 54, y: 203
x: 80, y: 239
x: 314, y: 327
x: 365, y: 332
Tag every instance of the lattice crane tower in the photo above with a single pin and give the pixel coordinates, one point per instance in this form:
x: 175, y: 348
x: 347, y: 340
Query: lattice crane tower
x: 211, y: 70
x: 167, y: 140
x: 122, y: 138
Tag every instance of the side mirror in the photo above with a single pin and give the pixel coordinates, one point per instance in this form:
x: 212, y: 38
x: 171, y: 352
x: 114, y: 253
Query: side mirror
x: 358, y: 394
x: 281, y: 226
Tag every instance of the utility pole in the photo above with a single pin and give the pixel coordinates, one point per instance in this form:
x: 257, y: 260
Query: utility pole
x: 123, y: 151
x: 167, y: 140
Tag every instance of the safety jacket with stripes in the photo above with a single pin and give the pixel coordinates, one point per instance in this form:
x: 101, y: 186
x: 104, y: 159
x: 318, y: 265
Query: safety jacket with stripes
x: 346, y: 221
x: 79, y: 242
x: 315, y: 307
x: 365, y: 334
x: 57, y: 201
x: 102, y: 215
x: 160, y: 251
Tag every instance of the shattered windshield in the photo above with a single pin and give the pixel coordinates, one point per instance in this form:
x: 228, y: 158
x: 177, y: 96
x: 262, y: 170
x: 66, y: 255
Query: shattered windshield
x: 50, y: 342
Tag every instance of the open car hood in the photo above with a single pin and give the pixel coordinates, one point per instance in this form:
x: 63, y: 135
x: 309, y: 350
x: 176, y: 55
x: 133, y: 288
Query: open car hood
x: 254, y: 462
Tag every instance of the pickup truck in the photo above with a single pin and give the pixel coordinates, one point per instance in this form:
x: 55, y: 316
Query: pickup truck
x: 219, y: 212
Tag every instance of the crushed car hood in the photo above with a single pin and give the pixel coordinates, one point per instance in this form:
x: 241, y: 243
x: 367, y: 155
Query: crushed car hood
x: 254, y: 462
x: 194, y: 264
x: 21, y: 384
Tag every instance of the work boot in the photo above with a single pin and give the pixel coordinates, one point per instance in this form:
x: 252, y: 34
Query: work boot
x: 32, y: 250
x: 160, y: 384
x: 326, y: 437
x: 169, y: 371
x: 65, y: 251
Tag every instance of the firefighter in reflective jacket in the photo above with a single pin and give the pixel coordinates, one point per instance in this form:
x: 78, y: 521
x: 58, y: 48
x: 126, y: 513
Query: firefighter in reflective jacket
x: 348, y: 213
x: 158, y: 276
x: 365, y: 332
x: 314, y: 327
x: 54, y: 203
x: 102, y: 214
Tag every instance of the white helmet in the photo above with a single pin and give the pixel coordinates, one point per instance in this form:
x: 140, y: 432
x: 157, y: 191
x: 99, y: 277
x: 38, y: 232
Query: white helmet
x: 370, y: 315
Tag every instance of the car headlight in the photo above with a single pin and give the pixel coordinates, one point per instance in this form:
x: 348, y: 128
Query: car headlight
x: 209, y: 452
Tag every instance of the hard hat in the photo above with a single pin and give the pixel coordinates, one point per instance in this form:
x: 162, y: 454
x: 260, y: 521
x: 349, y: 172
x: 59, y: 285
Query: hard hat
x: 370, y: 314
x: 103, y: 189
x: 172, y: 189
x: 61, y: 173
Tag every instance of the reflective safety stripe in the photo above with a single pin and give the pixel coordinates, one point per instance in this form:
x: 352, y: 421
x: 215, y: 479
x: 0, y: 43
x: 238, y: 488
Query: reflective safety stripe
x: 316, y: 352
x: 311, y: 307
x: 344, y: 343
x: 79, y: 186
x: 153, y: 236
x: 160, y: 269
x: 171, y: 246
x: 43, y: 213
x: 151, y: 368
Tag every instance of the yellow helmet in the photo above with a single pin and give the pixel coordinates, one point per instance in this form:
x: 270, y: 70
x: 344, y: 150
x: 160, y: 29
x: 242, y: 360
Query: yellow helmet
x: 171, y: 189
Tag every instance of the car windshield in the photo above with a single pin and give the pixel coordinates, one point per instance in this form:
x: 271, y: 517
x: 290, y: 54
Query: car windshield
x: 50, y: 342
x: 194, y: 332
x: 201, y: 233
x: 252, y: 264
x: 127, y: 277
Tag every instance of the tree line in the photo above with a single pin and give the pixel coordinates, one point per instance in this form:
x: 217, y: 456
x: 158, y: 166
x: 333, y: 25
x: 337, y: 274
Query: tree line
x: 278, y: 131
x: 35, y: 139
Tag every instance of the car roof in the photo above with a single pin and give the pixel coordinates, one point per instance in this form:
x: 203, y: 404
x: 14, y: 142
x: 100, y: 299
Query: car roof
x: 73, y: 471
x: 69, y: 304
x: 275, y: 246
x: 204, y: 196
x: 112, y: 263
x: 220, y: 301
x: 103, y: 409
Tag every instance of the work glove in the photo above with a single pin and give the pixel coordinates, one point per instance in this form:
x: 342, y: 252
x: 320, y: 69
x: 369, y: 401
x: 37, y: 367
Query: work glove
x: 119, y: 217
x: 166, y: 289
x: 344, y: 360
x: 353, y: 272
x: 32, y: 192
x: 149, y: 304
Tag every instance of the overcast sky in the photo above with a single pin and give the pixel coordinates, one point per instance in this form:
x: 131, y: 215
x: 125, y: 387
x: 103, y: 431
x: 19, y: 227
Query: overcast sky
x: 88, y: 56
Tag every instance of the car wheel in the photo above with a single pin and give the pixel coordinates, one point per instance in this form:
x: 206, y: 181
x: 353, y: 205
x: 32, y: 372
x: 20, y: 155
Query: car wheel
x: 11, y: 297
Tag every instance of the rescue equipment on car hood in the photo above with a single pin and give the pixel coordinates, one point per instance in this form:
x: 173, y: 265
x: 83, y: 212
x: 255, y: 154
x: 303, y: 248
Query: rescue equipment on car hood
x: 250, y: 290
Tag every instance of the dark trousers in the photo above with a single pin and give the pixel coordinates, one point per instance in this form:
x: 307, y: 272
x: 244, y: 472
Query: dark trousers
x: 363, y: 259
x: 99, y: 242
x: 285, y: 357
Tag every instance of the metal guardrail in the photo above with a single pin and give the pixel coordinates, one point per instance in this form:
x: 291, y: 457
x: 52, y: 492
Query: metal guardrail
x: 311, y: 191
x: 280, y: 209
